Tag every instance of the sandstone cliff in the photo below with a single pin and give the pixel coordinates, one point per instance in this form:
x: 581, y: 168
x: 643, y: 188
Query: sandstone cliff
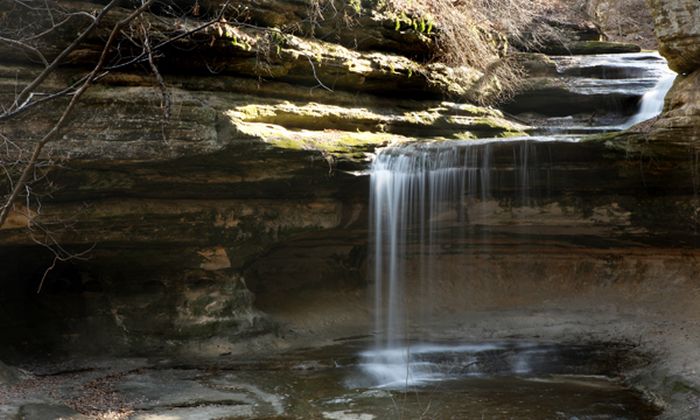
x: 243, y: 213
x: 256, y: 185
x: 677, y: 24
x: 267, y: 128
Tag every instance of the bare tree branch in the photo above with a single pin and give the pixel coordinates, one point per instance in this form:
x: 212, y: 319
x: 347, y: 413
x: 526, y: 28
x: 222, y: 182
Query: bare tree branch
x: 144, y: 56
x: 30, y: 103
x: 313, y: 69
x: 165, y: 102
x: 56, y: 61
x: 26, y: 47
x: 36, y: 152
x: 57, y: 25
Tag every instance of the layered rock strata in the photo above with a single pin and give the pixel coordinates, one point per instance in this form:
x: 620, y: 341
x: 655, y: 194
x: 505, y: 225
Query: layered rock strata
x: 266, y: 130
x: 677, y: 25
x: 245, y: 213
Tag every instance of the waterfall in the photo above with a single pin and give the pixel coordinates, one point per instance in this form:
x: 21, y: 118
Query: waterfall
x: 416, y: 192
x: 652, y: 103
x: 430, y: 200
x: 420, y: 201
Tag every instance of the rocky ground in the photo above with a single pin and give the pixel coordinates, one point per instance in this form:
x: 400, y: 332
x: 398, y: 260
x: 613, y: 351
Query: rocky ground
x: 659, y: 360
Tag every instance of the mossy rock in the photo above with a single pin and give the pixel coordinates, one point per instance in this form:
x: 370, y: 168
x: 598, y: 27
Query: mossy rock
x: 536, y: 64
x: 349, y: 133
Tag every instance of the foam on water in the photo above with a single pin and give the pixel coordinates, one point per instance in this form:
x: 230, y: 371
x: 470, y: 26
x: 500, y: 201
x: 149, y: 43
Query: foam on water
x: 410, y: 366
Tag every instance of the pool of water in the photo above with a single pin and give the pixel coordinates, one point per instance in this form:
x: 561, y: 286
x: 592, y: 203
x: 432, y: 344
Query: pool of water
x: 495, y: 380
x: 350, y: 380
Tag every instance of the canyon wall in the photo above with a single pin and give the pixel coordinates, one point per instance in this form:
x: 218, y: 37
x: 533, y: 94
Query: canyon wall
x: 267, y: 139
x: 245, y: 212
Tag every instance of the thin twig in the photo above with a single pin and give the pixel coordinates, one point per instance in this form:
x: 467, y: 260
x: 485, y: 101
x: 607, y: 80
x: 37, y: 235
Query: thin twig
x: 165, y: 102
x: 27, y: 47
x: 29, y: 103
x: 313, y: 69
x: 56, y: 61
x: 58, y: 25
x: 143, y: 56
x: 55, y: 130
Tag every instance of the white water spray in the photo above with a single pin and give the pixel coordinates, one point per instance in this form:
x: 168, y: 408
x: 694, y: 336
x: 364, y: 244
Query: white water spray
x: 652, y: 103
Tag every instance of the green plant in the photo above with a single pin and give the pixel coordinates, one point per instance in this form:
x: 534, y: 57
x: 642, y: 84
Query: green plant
x: 356, y: 5
x: 471, y: 33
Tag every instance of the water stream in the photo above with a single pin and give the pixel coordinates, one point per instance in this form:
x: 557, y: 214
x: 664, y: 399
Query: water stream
x: 652, y: 103
x: 643, y: 74
x: 427, y: 196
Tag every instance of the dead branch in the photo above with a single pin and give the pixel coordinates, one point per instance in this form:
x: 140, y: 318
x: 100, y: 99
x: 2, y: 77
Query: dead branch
x: 165, y: 101
x: 28, y: 98
x: 27, y: 47
x: 313, y: 69
x: 55, y: 130
x: 19, y: 100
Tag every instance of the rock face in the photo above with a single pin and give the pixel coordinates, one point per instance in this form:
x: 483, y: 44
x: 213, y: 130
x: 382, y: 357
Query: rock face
x: 590, y: 47
x: 623, y: 21
x: 243, y: 216
x: 561, y: 86
x: 677, y: 25
x: 568, y: 32
x: 251, y: 200
x: 680, y: 122
x: 7, y: 374
x: 267, y: 134
x: 678, y: 30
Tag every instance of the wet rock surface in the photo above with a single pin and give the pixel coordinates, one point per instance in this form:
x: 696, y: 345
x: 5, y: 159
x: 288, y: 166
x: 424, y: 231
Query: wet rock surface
x: 590, y: 47
x: 610, y: 84
x: 38, y: 411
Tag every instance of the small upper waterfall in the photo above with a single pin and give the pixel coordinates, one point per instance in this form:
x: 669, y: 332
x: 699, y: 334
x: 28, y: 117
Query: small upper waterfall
x: 652, y: 103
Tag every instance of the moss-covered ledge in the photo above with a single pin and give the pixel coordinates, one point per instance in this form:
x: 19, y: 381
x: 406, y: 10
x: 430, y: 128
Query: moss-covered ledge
x: 349, y: 134
x: 641, y: 143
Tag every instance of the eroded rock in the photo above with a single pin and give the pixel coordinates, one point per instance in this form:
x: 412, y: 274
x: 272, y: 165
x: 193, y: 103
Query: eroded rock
x: 677, y: 26
x: 678, y: 30
x: 589, y: 47
x: 41, y: 411
x: 680, y: 123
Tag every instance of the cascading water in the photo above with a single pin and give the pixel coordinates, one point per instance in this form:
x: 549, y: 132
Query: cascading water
x: 652, y: 103
x: 415, y: 191
x: 619, y: 78
x: 420, y: 200
x: 431, y: 199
